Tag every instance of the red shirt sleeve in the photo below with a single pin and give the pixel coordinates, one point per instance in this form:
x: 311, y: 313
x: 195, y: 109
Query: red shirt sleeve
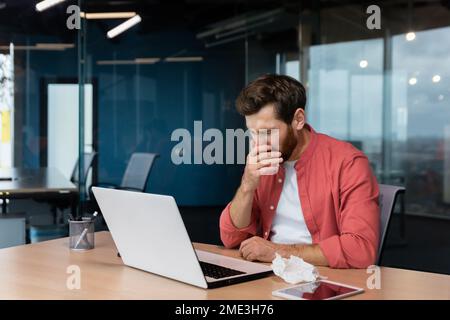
x: 359, y: 218
x: 232, y: 236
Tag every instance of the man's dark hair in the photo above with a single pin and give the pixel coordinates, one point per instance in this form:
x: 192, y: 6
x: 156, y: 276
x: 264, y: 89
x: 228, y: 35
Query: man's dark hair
x: 284, y: 92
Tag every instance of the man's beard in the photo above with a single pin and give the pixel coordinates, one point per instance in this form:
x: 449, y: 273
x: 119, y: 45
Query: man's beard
x: 288, y: 145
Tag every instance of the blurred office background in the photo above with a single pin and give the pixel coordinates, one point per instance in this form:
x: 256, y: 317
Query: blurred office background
x: 66, y: 93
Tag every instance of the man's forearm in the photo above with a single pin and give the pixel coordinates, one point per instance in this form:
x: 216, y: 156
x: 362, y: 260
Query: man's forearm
x: 311, y: 253
x: 241, y: 207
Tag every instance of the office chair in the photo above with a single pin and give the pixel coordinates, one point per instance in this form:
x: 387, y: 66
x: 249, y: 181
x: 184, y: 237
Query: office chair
x: 388, y: 196
x: 88, y: 161
x: 136, y: 174
x: 135, y: 177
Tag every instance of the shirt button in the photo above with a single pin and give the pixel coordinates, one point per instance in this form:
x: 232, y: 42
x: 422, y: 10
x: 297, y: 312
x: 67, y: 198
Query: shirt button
x: 280, y: 180
x: 265, y: 233
x: 272, y: 207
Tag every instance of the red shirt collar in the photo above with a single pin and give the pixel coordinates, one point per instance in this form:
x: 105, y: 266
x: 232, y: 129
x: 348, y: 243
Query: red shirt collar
x: 309, y: 151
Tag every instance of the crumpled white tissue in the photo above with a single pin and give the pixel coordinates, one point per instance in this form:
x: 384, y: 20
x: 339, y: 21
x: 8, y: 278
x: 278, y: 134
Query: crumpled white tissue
x: 294, y: 270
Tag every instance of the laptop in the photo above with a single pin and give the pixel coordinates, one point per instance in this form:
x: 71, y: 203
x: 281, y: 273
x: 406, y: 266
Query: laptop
x: 150, y: 235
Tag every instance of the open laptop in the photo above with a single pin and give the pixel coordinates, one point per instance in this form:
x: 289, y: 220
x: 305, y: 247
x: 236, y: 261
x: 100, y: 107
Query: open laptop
x: 150, y: 235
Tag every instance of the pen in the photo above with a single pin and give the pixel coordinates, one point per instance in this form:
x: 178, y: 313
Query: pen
x: 81, y: 237
x: 85, y: 230
x: 94, y: 215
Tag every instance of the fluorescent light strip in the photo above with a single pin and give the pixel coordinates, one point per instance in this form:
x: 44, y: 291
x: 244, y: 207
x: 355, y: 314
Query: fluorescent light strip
x: 42, y: 46
x: 183, y: 59
x: 107, y: 15
x: 147, y: 60
x: 124, y: 26
x: 18, y: 47
x: 44, y: 5
x: 128, y: 62
x: 114, y: 62
x: 55, y: 45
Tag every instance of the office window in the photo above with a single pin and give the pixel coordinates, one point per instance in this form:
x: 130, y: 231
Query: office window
x: 421, y: 119
x: 346, y: 93
x: 346, y: 96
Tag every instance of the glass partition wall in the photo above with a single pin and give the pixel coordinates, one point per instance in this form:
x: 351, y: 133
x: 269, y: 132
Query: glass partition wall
x: 153, y: 79
x: 39, y: 90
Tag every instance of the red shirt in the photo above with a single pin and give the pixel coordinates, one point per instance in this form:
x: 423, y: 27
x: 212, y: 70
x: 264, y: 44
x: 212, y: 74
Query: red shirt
x: 339, y: 198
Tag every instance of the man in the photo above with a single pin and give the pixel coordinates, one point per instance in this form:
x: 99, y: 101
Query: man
x: 321, y: 205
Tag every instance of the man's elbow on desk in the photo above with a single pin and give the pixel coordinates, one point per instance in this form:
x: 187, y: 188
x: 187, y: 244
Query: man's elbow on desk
x: 258, y: 249
x: 349, y: 251
x: 343, y: 252
x: 230, y: 235
x: 230, y: 242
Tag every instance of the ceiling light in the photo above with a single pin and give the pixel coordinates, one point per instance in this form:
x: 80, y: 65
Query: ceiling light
x: 114, y: 62
x: 412, y: 81
x: 44, y: 5
x: 41, y: 46
x: 436, y: 78
x: 54, y: 46
x: 128, y: 62
x: 124, y: 26
x: 410, y: 36
x: 147, y: 60
x: 363, y: 64
x: 183, y: 59
x: 107, y: 15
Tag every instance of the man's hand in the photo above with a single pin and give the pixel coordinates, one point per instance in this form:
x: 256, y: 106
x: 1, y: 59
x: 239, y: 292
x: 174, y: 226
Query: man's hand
x: 256, y: 248
x: 259, y: 160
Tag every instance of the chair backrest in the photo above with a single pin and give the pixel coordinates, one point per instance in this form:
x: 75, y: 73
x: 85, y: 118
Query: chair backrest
x: 88, y: 160
x: 388, y: 196
x: 138, y: 171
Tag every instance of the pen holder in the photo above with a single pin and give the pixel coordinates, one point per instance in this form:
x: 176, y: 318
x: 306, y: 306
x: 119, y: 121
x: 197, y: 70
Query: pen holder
x: 81, y: 235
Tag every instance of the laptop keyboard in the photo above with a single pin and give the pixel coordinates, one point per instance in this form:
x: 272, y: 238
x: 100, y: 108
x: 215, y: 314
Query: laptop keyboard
x: 218, y: 272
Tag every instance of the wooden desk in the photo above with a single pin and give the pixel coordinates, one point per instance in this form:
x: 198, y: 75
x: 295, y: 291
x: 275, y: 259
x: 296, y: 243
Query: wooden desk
x: 38, y: 271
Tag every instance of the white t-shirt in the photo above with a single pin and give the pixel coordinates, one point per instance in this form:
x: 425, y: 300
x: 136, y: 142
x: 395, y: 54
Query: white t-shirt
x: 288, y: 225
